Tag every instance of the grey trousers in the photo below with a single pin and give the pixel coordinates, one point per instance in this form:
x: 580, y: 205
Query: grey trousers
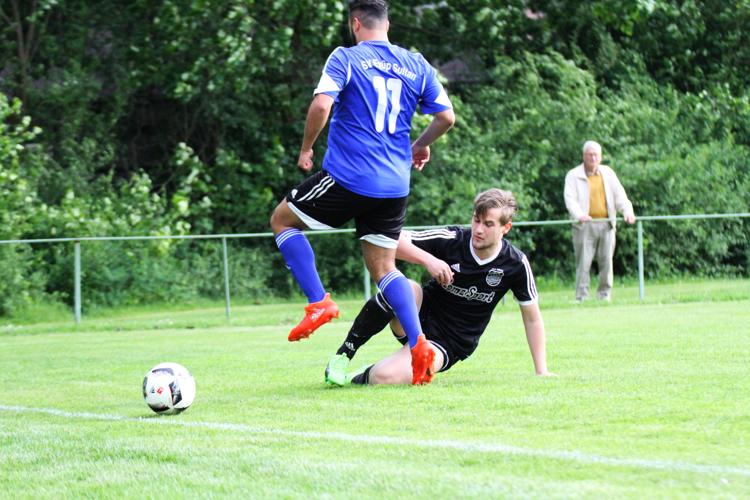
x: 593, y: 239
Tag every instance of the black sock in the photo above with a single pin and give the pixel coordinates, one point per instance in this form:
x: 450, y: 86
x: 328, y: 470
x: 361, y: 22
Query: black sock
x: 373, y: 317
x: 362, y: 378
x: 403, y: 339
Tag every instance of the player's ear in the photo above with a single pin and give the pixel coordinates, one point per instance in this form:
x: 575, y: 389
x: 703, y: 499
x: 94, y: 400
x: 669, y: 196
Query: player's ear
x: 506, y: 227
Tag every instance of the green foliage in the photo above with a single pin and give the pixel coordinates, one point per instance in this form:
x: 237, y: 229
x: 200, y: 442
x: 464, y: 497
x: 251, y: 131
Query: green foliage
x: 184, y: 116
x: 709, y: 178
x: 478, y: 33
x: 17, y: 181
x: 142, y: 273
x: 686, y: 43
x: 18, y: 276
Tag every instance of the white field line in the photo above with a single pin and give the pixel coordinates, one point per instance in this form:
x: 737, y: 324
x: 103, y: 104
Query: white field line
x: 444, y: 444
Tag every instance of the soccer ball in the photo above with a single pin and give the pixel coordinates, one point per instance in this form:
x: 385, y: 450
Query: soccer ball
x: 168, y: 388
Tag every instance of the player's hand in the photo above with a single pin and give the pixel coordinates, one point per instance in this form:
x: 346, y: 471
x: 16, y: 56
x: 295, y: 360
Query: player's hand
x: 441, y: 271
x: 629, y: 218
x: 584, y: 218
x: 304, y: 162
x: 420, y: 155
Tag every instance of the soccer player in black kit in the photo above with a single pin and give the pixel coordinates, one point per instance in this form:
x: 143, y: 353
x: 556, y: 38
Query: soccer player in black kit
x: 472, y: 270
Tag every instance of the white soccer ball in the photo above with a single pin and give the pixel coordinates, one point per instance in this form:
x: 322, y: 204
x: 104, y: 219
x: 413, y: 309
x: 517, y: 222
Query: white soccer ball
x: 168, y: 388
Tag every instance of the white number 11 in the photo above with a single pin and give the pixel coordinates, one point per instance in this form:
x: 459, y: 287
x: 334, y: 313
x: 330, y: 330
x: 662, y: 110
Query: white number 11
x: 382, y: 86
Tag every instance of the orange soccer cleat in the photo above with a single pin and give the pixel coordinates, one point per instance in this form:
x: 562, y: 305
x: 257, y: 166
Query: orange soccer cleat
x: 316, y: 314
x: 422, y: 357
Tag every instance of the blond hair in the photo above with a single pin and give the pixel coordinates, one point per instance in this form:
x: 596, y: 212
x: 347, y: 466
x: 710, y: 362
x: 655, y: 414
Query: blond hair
x: 496, y: 198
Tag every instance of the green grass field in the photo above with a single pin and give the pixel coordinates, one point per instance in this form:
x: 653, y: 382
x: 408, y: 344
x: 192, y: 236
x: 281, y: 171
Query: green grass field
x: 652, y: 400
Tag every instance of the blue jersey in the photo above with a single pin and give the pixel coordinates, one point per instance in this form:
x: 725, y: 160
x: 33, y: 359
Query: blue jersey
x: 377, y: 87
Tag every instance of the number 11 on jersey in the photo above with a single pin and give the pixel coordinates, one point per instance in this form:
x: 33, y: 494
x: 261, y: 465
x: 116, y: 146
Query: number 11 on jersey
x: 382, y: 87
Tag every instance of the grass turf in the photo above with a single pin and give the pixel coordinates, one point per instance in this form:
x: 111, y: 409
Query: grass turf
x: 651, y: 399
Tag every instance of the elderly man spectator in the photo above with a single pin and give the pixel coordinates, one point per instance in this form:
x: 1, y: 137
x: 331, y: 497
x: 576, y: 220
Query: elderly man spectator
x: 593, y: 196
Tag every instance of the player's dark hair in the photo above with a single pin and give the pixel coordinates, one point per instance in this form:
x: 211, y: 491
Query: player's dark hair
x: 371, y: 13
x: 496, y: 198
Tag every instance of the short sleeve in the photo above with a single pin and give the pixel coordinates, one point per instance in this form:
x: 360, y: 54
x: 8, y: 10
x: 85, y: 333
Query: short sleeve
x: 435, y: 241
x: 336, y: 74
x: 433, y: 98
x: 524, y: 286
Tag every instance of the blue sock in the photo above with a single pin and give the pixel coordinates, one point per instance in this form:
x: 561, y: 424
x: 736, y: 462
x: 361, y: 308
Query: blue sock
x: 300, y: 259
x: 399, y: 294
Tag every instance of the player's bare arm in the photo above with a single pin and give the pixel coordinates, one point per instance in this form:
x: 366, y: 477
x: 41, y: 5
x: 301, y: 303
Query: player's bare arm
x: 536, y: 338
x: 317, y: 117
x: 420, y: 150
x: 407, y: 251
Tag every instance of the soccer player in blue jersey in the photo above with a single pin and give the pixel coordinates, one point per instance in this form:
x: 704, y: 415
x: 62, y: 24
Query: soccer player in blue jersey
x: 472, y: 271
x: 374, y: 89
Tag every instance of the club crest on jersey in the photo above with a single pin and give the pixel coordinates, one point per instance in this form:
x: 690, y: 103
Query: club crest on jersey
x: 495, y: 276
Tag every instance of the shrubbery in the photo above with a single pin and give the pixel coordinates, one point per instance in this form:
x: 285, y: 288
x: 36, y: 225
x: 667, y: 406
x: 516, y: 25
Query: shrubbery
x: 189, y: 119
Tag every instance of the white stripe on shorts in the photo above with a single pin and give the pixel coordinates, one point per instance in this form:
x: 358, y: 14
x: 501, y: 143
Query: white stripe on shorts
x: 309, y: 221
x: 446, y: 359
x: 320, y: 189
x: 380, y: 240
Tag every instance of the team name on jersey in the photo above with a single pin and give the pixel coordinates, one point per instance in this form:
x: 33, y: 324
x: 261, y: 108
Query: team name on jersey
x: 469, y: 293
x: 387, y: 66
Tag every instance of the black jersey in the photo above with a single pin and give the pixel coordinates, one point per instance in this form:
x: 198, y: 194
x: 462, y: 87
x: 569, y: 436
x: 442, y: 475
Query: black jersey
x: 462, y: 309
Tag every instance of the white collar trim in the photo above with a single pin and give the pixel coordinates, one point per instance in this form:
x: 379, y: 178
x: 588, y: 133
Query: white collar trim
x: 489, y: 259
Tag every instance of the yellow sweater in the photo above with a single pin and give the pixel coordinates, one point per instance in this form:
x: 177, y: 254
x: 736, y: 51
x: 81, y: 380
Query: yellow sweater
x: 597, y: 200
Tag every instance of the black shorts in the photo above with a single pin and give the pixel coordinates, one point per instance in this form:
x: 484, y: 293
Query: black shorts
x: 451, y: 355
x: 432, y: 332
x: 322, y: 203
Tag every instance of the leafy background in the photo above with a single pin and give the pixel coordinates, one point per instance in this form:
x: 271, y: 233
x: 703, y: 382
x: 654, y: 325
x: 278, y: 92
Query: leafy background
x: 184, y: 116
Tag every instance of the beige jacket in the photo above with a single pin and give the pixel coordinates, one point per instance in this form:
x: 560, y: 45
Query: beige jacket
x: 577, y: 194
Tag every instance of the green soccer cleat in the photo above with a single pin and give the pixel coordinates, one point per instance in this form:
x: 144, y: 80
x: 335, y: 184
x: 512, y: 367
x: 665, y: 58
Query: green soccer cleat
x: 336, y: 370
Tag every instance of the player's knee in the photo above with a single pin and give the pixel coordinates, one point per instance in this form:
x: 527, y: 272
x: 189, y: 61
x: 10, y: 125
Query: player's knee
x: 417, y: 292
x: 379, y: 260
x: 283, y: 218
x: 380, y: 268
x: 437, y: 363
x: 275, y: 221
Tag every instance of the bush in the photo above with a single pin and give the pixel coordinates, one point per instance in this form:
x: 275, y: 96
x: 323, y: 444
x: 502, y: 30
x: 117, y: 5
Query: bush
x: 18, y: 182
